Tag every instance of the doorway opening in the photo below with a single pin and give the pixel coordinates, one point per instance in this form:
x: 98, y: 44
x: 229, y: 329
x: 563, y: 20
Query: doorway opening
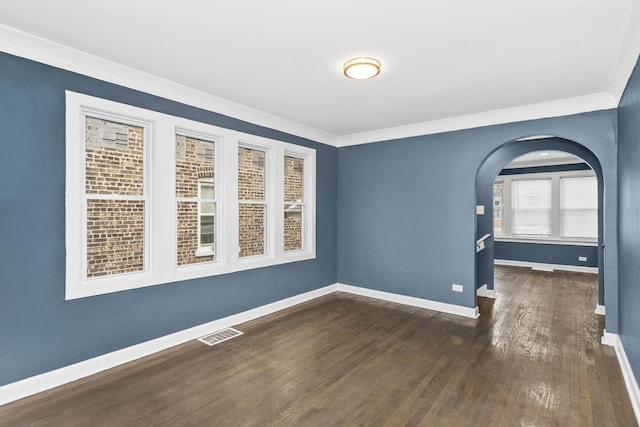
x: 542, y: 200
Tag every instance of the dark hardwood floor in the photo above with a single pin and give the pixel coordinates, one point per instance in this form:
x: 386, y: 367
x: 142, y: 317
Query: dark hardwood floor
x: 532, y: 359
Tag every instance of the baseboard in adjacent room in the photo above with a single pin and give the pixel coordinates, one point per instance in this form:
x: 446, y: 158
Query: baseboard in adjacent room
x: 484, y: 291
x: 546, y: 267
x: 458, y: 310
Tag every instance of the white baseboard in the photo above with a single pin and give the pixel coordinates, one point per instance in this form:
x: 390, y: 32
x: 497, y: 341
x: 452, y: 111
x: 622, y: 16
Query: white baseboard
x: 458, y: 310
x: 600, y: 310
x: 483, y: 291
x: 546, y: 267
x: 609, y: 339
x: 48, y: 380
x: 629, y: 379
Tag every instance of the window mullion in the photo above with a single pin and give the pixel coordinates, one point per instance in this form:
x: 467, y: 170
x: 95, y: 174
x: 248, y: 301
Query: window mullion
x: 277, y: 205
x: 162, y: 175
x: 507, y: 208
x: 230, y: 200
x: 555, y: 207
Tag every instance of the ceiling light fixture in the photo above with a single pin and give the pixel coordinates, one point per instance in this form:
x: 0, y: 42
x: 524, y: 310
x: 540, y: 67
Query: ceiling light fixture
x: 544, y: 154
x: 361, y: 68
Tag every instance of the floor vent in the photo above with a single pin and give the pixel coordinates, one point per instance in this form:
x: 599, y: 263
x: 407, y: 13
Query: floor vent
x: 220, y: 336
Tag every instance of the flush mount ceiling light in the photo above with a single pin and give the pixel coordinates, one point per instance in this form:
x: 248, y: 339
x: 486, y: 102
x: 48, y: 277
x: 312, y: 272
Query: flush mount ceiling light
x: 361, y: 68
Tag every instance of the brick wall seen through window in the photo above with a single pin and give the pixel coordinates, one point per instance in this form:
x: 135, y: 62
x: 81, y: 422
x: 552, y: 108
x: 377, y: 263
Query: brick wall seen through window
x: 293, y: 203
x: 114, y: 187
x: 195, y: 170
x: 252, y: 201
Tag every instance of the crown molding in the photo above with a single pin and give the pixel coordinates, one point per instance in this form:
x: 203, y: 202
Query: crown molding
x: 557, y: 108
x: 38, y: 49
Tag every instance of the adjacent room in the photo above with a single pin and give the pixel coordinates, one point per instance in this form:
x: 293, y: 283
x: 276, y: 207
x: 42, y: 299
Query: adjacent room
x: 319, y: 213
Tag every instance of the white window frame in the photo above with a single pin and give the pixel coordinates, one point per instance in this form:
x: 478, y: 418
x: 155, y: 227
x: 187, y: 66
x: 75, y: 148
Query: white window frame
x: 555, y: 237
x: 551, y: 208
x: 160, y: 198
x: 301, y: 203
x: 565, y: 178
x: 269, y: 192
x: 203, y: 133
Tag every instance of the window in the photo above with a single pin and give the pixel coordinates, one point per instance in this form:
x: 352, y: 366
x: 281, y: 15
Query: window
x: 195, y: 199
x: 531, y: 207
x: 497, y: 208
x: 115, y: 195
x: 579, y: 207
x: 551, y: 206
x: 293, y: 203
x: 154, y: 198
x: 253, y: 207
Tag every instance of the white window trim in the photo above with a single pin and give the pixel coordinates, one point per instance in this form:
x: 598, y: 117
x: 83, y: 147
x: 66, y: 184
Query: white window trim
x: 160, y: 206
x: 555, y: 237
x: 270, y: 157
x: 302, y: 203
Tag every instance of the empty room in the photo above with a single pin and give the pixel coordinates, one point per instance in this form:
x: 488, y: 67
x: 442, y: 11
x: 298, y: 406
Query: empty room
x: 319, y: 213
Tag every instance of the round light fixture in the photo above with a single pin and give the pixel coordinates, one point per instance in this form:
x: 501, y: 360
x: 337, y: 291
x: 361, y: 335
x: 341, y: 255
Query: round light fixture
x: 361, y: 68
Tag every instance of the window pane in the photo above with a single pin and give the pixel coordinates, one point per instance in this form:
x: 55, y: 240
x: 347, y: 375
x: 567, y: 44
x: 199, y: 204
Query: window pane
x: 531, y: 207
x: 206, y: 191
x: 114, y: 165
x: 195, y: 176
x: 188, y: 238
x: 251, y: 216
x: 292, y: 227
x: 293, y: 179
x: 207, y: 225
x: 251, y: 174
x: 114, y: 158
x: 115, y: 237
x: 497, y: 209
x: 252, y: 227
x: 194, y: 162
x: 207, y: 208
x: 579, y: 207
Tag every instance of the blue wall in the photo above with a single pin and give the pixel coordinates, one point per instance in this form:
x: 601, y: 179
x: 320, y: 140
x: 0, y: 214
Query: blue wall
x: 546, y: 253
x: 396, y: 216
x: 39, y: 330
x: 406, y: 208
x: 629, y: 219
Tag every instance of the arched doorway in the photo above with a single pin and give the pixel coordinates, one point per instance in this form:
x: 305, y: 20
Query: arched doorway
x: 485, y: 178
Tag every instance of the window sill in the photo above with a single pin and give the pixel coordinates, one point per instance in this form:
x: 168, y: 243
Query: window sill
x: 547, y: 241
x: 205, y: 251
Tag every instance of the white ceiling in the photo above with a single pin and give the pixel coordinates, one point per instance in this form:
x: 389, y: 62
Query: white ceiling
x: 543, y: 158
x: 441, y: 58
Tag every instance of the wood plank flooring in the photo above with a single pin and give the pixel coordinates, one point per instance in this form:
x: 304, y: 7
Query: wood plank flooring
x: 532, y: 359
